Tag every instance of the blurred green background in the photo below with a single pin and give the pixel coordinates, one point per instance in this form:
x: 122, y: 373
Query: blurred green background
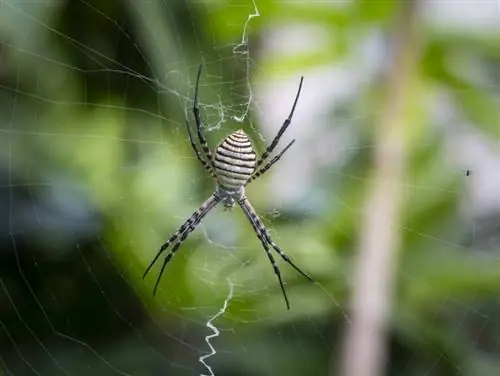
x: 96, y: 171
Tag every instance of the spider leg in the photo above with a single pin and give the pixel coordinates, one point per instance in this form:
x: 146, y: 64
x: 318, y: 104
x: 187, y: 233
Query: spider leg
x: 275, y: 159
x: 283, y: 255
x: 186, y: 228
x: 252, y: 216
x: 265, y: 234
x: 199, y: 123
x: 171, y: 254
x: 174, y: 237
x: 204, y: 163
x: 283, y: 128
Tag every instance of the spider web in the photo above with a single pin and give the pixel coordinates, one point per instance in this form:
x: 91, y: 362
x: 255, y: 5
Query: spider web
x: 96, y: 176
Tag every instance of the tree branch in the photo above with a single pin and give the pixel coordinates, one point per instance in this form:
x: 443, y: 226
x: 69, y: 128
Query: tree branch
x: 364, y: 347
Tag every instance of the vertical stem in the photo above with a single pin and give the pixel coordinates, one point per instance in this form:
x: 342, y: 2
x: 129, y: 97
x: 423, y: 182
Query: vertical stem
x: 364, y: 347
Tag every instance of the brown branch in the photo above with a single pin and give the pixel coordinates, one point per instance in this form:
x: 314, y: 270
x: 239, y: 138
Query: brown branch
x: 364, y: 347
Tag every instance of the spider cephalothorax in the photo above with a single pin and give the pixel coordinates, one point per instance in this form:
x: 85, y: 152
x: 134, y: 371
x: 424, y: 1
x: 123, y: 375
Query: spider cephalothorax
x: 234, y: 165
x: 229, y: 197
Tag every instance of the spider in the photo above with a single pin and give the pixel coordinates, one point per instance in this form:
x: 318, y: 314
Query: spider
x: 234, y: 165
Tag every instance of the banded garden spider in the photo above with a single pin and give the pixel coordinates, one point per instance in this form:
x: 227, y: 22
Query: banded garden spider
x: 234, y: 165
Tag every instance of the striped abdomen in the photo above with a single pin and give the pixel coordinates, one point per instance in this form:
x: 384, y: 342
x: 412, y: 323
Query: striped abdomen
x: 234, y: 160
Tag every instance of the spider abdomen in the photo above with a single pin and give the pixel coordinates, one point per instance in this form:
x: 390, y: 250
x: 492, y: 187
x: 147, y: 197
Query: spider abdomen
x: 234, y: 160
